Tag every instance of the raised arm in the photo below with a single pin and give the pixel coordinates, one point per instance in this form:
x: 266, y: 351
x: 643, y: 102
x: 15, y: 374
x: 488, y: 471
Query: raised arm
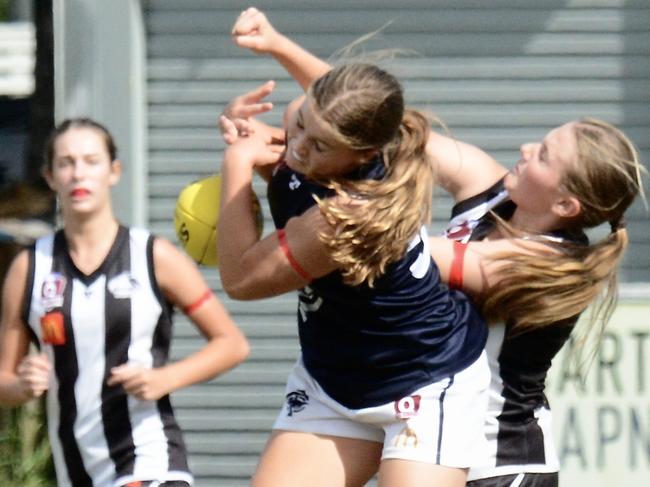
x: 463, y: 170
x: 281, y: 262
x: 253, y: 31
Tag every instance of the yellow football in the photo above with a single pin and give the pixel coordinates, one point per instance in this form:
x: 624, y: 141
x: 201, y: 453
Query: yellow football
x: 196, y: 216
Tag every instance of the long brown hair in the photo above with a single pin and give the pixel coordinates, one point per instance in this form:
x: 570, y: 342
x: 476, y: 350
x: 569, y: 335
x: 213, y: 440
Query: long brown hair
x: 537, y: 288
x: 373, y: 221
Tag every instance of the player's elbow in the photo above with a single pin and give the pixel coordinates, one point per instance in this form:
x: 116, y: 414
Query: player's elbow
x: 242, y: 350
x: 236, y: 347
x: 237, y: 288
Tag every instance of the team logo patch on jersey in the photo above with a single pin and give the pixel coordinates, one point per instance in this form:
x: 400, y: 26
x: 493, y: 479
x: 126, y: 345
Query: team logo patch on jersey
x: 52, y: 290
x: 296, y: 401
x: 122, y: 285
x: 460, y: 232
x: 53, y: 328
x: 294, y: 183
x: 407, y: 407
x: 308, y: 301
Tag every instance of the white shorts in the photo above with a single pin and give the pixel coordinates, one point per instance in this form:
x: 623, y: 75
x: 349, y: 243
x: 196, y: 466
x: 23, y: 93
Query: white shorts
x: 441, y: 423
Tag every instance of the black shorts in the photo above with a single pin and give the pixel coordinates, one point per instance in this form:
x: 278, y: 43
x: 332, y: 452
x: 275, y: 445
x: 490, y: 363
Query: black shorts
x: 518, y: 480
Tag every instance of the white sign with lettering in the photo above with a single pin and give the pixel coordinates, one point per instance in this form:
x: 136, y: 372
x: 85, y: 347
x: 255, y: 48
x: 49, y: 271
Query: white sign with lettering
x: 601, y: 415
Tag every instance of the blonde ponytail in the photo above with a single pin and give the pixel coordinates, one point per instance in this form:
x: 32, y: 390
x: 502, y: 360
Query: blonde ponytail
x: 373, y: 221
x: 537, y: 289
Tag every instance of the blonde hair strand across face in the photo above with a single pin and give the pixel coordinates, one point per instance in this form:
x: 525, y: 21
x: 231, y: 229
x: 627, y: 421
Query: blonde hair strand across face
x: 372, y: 221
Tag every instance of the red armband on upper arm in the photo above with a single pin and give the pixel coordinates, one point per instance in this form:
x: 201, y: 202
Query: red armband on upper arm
x: 456, y: 270
x: 284, y: 245
x: 198, y: 303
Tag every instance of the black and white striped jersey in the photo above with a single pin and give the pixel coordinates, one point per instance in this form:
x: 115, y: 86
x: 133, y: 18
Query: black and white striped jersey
x: 518, y: 425
x: 87, y: 324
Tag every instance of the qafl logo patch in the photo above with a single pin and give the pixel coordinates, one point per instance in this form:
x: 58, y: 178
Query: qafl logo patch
x: 407, y: 407
x: 52, y: 291
x: 296, y: 401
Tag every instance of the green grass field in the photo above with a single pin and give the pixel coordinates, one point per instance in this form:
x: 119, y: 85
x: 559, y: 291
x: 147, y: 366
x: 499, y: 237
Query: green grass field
x: 25, y: 459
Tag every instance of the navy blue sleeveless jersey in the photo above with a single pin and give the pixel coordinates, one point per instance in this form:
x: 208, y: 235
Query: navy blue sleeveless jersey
x: 518, y: 425
x: 369, y: 346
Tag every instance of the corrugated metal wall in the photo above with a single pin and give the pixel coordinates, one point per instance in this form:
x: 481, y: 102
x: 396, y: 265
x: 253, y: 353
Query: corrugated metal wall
x: 498, y: 72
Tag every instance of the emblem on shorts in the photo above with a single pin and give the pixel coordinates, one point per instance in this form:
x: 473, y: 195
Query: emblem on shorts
x: 407, y: 437
x: 296, y: 401
x: 407, y: 407
x: 52, y: 291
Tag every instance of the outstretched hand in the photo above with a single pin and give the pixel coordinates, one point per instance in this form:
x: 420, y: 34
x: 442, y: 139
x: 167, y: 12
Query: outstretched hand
x: 253, y: 31
x: 144, y: 383
x: 236, y: 119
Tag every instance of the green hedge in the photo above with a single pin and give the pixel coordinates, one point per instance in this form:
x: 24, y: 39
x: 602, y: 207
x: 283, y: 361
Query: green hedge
x: 4, y: 10
x: 25, y: 458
